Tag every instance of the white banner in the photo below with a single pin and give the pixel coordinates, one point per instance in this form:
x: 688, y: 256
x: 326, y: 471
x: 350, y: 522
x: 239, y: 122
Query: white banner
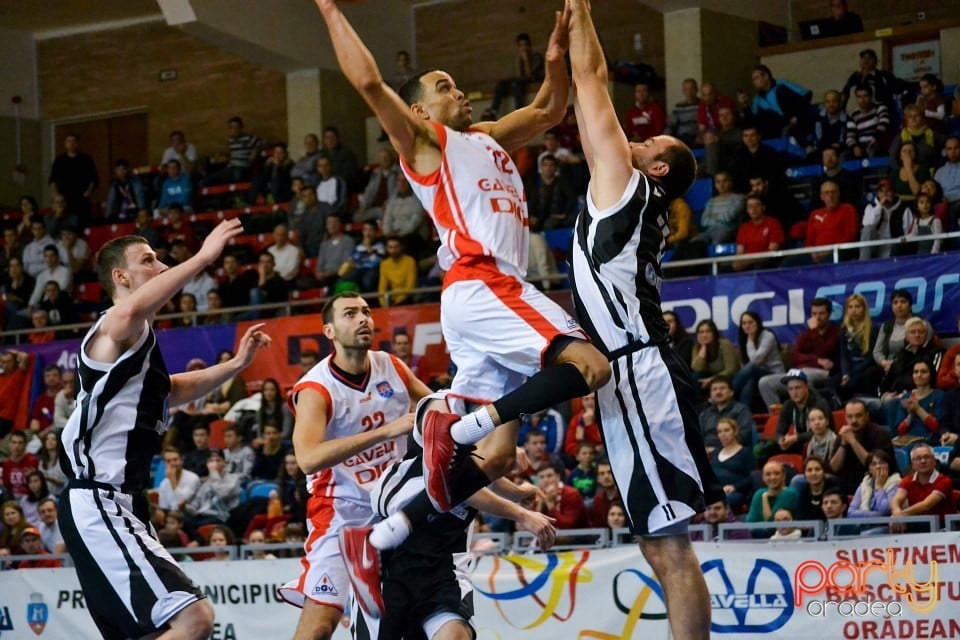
x: 870, y: 587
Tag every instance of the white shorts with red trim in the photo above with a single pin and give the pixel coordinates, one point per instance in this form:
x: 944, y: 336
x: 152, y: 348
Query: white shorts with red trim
x: 498, y: 331
x: 323, y: 578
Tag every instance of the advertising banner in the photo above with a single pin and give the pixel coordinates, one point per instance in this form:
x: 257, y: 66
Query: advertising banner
x: 871, y: 587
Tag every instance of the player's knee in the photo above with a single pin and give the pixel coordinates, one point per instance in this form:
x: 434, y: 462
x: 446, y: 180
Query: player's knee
x: 595, y: 368
x: 196, y: 620
x: 664, y: 553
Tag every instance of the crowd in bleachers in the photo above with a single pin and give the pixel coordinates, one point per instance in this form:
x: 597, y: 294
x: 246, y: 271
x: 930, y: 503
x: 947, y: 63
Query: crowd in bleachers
x: 838, y: 424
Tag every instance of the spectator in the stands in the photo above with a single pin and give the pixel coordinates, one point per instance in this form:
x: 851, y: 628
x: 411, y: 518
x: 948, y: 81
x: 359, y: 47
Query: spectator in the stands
x: 177, y: 188
x: 920, y: 345
x: 273, y: 181
x: 535, y: 446
x: 404, y: 216
x: 720, y: 512
x: 680, y: 338
x: 528, y: 69
x: 273, y: 409
x: 815, y: 353
x: 584, y: 427
x: 196, y: 459
x: 723, y: 405
x: 550, y: 423
x: 219, y: 492
x: 201, y: 284
x: 722, y: 214
x: 948, y: 177
x: 181, y: 151
x: 17, y: 465
x: 269, y: 455
x: 287, y: 256
x: 714, y: 355
x: 331, y: 188
x: 342, y: 160
x: 867, y: 127
x: 402, y: 348
x: 934, y: 105
x: 793, y: 429
x: 63, y: 405
x: 398, y: 274
x: 244, y: 151
x: 920, y: 414
x: 858, y: 373
x: 924, y: 492
x: 31, y: 544
x: 381, y: 186
x: 14, y: 365
x: 179, y: 485
x: 833, y: 503
x: 683, y: 118
x: 552, y: 202
x: 849, y: 183
x: 125, y: 196
x: 909, y: 174
x: 924, y: 223
x: 29, y: 209
x: 270, y: 286
x: 48, y: 527
x: 73, y: 175
x: 334, y: 251
x: 842, y: 21
x: 214, y: 308
x: 882, y: 85
x: 646, y: 118
x: 823, y: 441
x: 892, y: 335
x: 305, y: 167
x: 775, y: 495
x: 59, y: 217
x: 829, y: 128
x: 883, y: 220
x: 16, y: 287
x: 941, y: 208
x: 74, y: 250
x: 951, y: 401
x: 235, y: 285
x: 755, y: 159
x: 780, y: 107
x: 583, y: 477
x: 363, y: 266
x: 947, y: 376
x: 759, y: 356
x: 143, y: 227
x: 758, y: 234
x: 926, y: 141
x: 552, y: 147
x: 680, y: 221
x: 177, y: 227
x: 561, y: 502
x: 60, y: 307
x: 708, y: 112
x: 11, y: 248
x: 834, y: 223
x: 40, y: 323
x: 238, y: 455
x: 873, y: 495
x: 781, y: 205
x: 311, y: 225
x: 732, y: 462
x: 722, y: 144
x: 33, y: 260
x: 811, y: 491
x: 53, y: 270
x: 606, y: 494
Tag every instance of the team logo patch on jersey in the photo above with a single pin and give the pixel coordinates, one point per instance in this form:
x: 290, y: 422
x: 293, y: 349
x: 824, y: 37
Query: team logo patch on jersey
x: 324, y: 587
x: 650, y: 273
x: 384, y: 389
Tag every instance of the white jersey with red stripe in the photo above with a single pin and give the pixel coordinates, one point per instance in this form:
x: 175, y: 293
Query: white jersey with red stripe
x: 382, y: 398
x: 477, y: 202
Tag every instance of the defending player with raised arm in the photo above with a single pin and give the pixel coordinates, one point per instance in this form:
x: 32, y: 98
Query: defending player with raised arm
x: 352, y: 414
x: 132, y: 586
x: 647, y: 417
x: 517, y: 351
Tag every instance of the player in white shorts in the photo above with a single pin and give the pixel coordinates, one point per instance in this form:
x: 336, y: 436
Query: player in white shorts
x: 352, y: 416
x: 516, y: 351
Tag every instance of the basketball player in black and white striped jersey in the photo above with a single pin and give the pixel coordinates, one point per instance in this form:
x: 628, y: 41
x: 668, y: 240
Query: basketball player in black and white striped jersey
x: 647, y: 414
x: 132, y: 586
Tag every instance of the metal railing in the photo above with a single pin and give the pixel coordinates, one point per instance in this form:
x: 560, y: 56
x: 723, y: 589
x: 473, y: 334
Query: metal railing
x: 842, y: 528
x: 814, y: 527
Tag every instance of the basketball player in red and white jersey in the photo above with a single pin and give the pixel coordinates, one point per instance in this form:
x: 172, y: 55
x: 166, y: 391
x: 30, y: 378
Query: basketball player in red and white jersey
x: 499, y: 329
x: 352, y: 415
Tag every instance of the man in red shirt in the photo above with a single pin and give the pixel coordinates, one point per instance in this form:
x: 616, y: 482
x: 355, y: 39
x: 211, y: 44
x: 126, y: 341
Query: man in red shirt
x: 835, y: 223
x: 646, y: 118
x: 559, y: 501
x: 13, y: 385
x: 32, y: 545
x: 607, y: 494
x: 708, y: 113
x: 758, y: 234
x: 18, y: 465
x: 925, y: 493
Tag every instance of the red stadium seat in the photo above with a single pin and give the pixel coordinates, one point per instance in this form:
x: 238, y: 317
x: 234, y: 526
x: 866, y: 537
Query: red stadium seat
x: 221, y: 189
x: 88, y: 292
x: 97, y: 236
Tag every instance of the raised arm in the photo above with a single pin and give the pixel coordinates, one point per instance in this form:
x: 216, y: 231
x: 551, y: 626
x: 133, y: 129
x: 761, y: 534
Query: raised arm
x: 518, y: 128
x: 192, y: 385
x: 360, y: 68
x: 604, y: 142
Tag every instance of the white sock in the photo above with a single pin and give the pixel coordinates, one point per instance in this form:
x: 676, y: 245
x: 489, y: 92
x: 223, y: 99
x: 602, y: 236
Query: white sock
x: 390, y: 533
x: 473, y: 427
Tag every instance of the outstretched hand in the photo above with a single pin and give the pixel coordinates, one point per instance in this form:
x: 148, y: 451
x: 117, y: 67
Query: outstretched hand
x: 540, y: 525
x: 215, y: 243
x: 253, y: 340
x: 560, y: 36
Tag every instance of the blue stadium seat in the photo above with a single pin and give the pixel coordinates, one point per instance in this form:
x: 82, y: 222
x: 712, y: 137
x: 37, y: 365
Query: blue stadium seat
x: 805, y: 171
x: 559, y: 239
x: 260, y: 489
x: 699, y: 153
x: 699, y: 193
x: 903, y: 459
x: 786, y: 146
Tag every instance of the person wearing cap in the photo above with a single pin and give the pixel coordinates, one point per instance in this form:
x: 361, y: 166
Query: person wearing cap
x: 32, y: 545
x: 882, y: 220
x: 219, y: 492
x: 883, y: 85
x: 816, y: 352
x: 792, y: 430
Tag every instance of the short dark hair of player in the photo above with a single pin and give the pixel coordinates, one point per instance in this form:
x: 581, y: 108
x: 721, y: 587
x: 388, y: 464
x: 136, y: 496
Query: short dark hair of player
x: 327, y: 312
x: 112, y: 255
x: 683, y: 170
x: 411, y: 90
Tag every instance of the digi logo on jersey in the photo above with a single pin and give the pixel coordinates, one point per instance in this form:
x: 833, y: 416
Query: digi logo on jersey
x: 758, y: 602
